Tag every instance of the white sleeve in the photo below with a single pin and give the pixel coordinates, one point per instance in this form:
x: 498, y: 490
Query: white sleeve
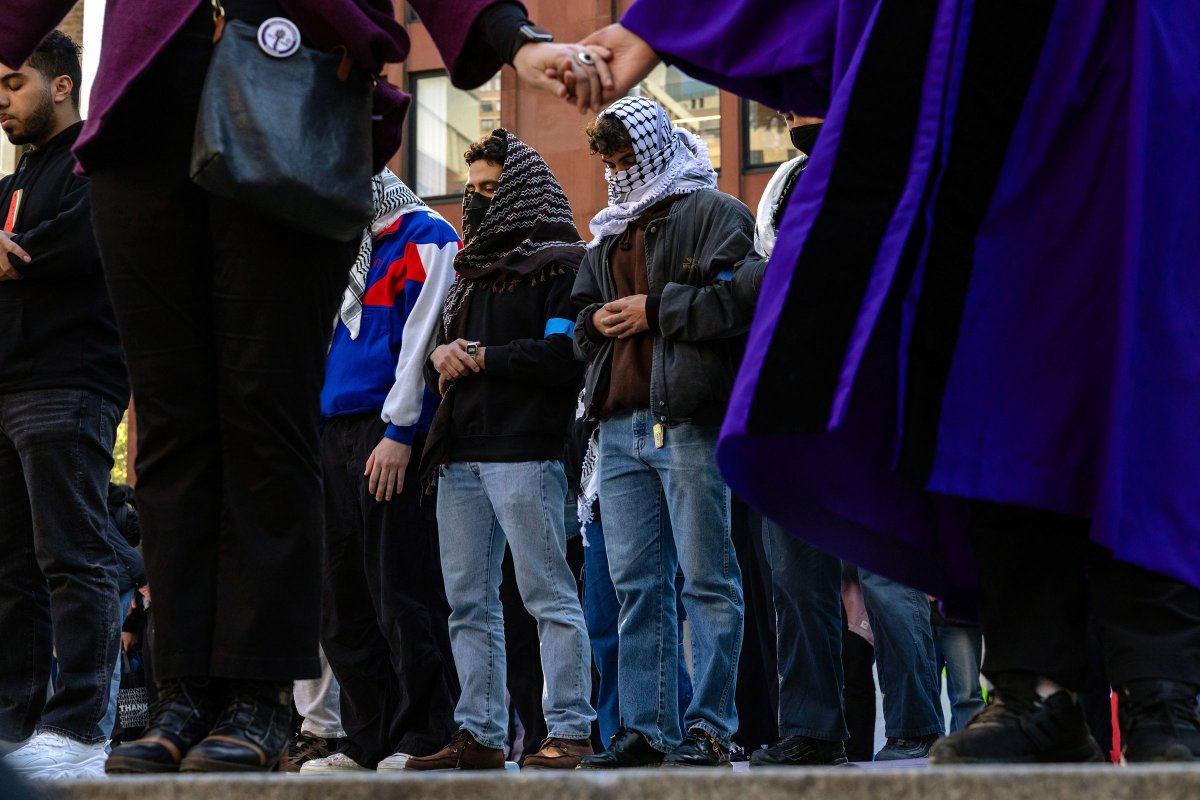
x: 403, y: 404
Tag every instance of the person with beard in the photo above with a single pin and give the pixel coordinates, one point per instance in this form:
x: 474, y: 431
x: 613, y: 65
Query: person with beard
x: 509, y: 380
x: 662, y: 354
x: 63, y: 390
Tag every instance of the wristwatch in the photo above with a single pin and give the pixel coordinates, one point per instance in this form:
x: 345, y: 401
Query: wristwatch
x: 472, y: 349
x: 530, y: 33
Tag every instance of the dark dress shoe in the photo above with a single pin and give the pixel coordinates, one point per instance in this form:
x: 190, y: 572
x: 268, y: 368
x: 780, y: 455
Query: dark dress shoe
x: 1159, y: 721
x: 628, y: 748
x: 251, y: 734
x: 182, y: 715
x: 698, y: 749
x: 800, y: 751
x: 1021, y: 727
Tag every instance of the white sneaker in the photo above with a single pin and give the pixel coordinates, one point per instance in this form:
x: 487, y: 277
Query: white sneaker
x: 338, y: 762
x: 393, y: 763
x: 52, y: 755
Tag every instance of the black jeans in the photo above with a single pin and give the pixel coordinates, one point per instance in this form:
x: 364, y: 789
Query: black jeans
x: 58, y: 576
x: 1040, y: 577
x: 225, y: 317
x: 384, y: 615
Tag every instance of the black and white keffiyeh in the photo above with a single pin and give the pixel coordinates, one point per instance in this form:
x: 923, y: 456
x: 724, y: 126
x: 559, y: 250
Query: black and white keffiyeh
x: 670, y: 161
x: 528, y: 228
x: 392, y: 200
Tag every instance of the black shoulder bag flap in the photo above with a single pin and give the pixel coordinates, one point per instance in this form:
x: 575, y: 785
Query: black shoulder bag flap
x: 285, y: 129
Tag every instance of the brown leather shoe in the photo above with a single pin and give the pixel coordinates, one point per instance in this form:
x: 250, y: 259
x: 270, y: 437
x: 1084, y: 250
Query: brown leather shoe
x: 463, y: 752
x: 558, y: 754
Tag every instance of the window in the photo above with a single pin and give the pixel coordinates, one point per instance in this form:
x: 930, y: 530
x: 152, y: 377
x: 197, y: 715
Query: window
x: 768, y: 141
x: 446, y: 121
x: 690, y: 104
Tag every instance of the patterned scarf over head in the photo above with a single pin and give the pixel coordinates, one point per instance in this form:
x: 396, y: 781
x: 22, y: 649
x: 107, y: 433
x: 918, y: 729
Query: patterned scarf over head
x: 670, y: 161
x: 528, y: 229
x: 392, y: 200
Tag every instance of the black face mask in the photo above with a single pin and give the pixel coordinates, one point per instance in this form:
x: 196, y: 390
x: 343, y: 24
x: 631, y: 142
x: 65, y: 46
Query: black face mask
x: 805, y: 136
x: 476, y: 210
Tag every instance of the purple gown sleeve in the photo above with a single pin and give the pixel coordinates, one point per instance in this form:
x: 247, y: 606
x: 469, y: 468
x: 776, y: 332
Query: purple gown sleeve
x: 26, y: 23
x: 781, y: 53
x: 450, y: 23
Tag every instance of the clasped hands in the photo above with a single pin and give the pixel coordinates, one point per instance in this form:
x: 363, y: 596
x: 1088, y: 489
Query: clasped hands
x: 619, y: 60
x: 622, y: 318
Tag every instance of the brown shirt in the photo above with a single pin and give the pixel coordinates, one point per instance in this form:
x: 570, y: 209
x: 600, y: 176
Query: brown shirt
x: 629, y: 383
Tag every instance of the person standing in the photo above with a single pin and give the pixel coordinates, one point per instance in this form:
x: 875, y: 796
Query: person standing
x: 63, y: 389
x: 509, y: 380
x: 384, y: 606
x: 662, y: 356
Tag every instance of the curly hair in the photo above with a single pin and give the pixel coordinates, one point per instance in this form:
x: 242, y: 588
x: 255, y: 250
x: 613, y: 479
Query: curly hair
x: 493, y: 149
x: 608, y: 135
x: 59, y: 55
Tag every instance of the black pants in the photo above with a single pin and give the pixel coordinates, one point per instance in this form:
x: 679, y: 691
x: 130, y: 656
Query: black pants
x: 1039, y: 577
x: 384, y: 613
x: 225, y: 316
x: 58, y: 574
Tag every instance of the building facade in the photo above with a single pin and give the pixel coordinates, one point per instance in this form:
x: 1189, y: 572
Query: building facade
x: 746, y: 141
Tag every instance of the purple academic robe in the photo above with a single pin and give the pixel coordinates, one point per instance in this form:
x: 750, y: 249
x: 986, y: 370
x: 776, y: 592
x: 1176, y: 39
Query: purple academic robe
x: 135, y: 31
x: 1074, y: 385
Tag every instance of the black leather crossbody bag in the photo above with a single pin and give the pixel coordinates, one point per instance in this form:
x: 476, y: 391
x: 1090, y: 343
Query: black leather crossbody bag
x: 285, y: 129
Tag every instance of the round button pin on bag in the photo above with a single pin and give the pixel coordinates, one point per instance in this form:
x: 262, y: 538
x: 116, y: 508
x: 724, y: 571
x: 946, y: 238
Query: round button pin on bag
x: 279, y: 37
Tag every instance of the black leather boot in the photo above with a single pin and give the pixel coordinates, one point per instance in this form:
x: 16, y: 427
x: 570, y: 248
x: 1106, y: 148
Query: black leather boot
x: 1159, y: 720
x: 182, y: 715
x: 628, y: 748
x: 250, y: 735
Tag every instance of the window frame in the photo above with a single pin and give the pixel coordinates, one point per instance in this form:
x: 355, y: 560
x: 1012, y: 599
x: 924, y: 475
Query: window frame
x: 747, y: 167
x: 410, y: 161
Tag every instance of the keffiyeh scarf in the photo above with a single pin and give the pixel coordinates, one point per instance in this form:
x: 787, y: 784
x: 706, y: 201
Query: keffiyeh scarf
x: 527, y: 230
x: 670, y: 161
x: 392, y: 200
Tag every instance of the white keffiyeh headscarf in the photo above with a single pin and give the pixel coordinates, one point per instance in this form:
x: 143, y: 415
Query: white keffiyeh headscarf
x: 670, y: 161
x: 392, y: 200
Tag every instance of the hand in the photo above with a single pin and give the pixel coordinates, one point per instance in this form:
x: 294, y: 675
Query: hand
x: 451, y: 360
x: 443, y: 385
x: 385, y: 468
x: 7, y: 247
x: 626, y: 317
x: 554, y: 68
x: 630, y: 61
x: 128, y: 640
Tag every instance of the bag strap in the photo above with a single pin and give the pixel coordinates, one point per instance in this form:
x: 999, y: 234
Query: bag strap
x: 218, y: 20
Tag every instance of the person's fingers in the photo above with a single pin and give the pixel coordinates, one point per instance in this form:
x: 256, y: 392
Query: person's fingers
x: 467, y: 362
x: 370, y: 464
x: 593, y: 76
x: 391, y: 485
x: 601, y: 63
x: 373, y: 481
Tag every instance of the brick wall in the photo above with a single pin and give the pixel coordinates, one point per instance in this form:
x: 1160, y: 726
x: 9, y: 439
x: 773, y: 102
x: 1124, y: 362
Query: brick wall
x: 73, y: 25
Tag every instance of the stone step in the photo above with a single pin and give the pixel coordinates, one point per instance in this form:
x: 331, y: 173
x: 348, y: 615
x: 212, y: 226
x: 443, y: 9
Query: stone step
x: 1046, y: 782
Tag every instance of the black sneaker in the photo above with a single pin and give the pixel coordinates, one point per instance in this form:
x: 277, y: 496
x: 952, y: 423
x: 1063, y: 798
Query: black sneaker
x: 628, y: 748
x: 1021, y: 727
x: 901, y: 748
x: 250, y: 735
x: 1159, y: 721
x: 698, y: 749
x: 182, y: 715
x: 800, y: 751
x: 306, y: 747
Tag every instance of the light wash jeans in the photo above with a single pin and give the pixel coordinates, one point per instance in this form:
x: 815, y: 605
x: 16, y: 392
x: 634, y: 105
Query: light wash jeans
x: 665, y: 510
x: 319, y: 701
x: 479, y: 506
x: 960, y: 650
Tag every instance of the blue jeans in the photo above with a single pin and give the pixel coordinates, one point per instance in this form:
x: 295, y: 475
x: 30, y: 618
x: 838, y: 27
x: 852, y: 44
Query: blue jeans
x: 665, y: 510
x: 806, y: 585
x: 601, y: 611
x: 110, y: 715
x: 905, y: 657
x: 479, y: 505
x: 959, y: 649
x: 59, y: 573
